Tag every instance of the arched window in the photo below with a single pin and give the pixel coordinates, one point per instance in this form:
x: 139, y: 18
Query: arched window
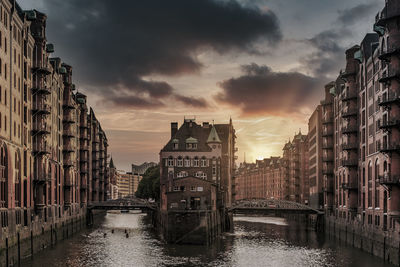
x: 377, y: 184
x: 170, y: 161
x: 370, y: 184
x: 180, y: 162
x: 196, y: 162
x: 17, y: 179
x: 187, y: 162
x: 203, y: 162
x: 3, y: 177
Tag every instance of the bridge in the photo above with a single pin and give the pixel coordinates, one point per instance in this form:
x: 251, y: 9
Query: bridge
x: 271, y: 206
x: 123, y: 204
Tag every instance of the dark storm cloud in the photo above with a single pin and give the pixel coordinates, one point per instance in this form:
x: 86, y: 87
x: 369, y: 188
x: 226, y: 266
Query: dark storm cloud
x: 121, y: 42
x: 350, y: 16
x: 328, y: 56
x: 191, y: 101
x: 261, y: 91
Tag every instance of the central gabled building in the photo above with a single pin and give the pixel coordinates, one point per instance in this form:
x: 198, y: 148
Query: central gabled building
x: 196, y: 168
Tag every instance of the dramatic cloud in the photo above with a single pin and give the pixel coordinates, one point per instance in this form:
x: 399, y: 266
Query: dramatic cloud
x: 121, y: 42
x: 330, y: 45
x: 350, y: 16
x: 260, y: 91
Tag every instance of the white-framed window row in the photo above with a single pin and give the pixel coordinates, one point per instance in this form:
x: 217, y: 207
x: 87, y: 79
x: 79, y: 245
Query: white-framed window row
x: 182, y: 174
x: 201, y: 175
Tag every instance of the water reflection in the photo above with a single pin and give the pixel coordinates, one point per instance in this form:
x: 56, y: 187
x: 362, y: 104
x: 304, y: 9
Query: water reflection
x: 257, y: 241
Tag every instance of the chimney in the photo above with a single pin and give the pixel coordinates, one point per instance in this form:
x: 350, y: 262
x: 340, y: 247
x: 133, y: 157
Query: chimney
x: 174, y: 128
x: 206, y: 124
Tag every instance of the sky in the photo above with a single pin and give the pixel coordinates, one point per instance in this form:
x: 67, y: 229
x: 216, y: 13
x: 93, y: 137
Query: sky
x: 145, y: 64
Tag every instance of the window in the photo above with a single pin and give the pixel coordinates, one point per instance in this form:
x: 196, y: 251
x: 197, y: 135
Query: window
x: 175, y: 146
x: 203, y: 162
x: 192, y: 188
x: 180, y: 162
x: 214, y: 170
x: 176, y: 188
x: 196, y: 162
x: 170, y: 162
x: 182, y: 174
x: 187, y: 162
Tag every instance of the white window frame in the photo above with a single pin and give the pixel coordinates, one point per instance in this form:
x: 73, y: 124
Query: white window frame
x: 170, y: 162
x: 187, y: 162
x: 196, y: 162
x: 180, y: 162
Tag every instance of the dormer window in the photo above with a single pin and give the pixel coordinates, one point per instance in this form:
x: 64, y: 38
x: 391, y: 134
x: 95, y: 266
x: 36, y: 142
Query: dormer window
x: 175, y: 144
x: 191, y: 143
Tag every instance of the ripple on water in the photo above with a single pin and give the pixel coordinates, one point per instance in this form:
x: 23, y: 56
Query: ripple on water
x: 257, y: 241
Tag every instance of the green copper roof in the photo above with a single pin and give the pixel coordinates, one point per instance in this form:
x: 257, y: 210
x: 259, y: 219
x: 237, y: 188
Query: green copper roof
x: 213, y: 137
x: 191, y: 140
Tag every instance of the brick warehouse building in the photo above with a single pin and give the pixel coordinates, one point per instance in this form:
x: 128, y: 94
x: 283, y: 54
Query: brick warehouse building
x: 361, y: 115
x: 283, y: 177
x: 53, y: 157
x: 197, y: 174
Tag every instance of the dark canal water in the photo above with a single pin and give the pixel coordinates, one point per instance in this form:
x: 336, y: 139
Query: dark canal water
x: 257, y: 241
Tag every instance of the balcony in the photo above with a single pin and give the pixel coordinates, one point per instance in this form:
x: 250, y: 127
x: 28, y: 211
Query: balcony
x: 388, y: 13
x: 349, y: 129
x: 347, y: 73
x: 389, y: 124
x: 350, y: 163
x: 327, y: 145
x: 41, y: 107
x: 68, y: 162
x: 327, y: 158
x: 41, y: 89
x: 390, y: 148
x: 350, y: 186
x: 326, y: 102
x: 390, y: 74
x: 42, y: 177
x: 349, y: 96
x: 69, y: 131
x: 69, y: 117
x: 327, y: 170
x: 392, y: 98
x: 84, y: 168
x: 388, y: 179
x: 350, y: 146
x: 41, y: 148
x: 40, y: 68
x: 350, y: 112
x: 68, y: 103
x: 327, y: 120
x: 327, y: 132
x: 40, y: 127
x: 68, y: 147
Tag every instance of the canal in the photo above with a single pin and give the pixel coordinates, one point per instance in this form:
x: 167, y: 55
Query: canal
x: 257, y: 241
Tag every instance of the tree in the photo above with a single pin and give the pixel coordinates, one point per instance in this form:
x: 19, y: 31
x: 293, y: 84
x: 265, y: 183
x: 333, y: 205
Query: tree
x: 149, y: 186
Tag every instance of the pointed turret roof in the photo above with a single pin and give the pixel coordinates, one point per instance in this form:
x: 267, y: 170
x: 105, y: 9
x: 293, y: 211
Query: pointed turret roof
x: 112, y: 164
x: 213, y: 136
